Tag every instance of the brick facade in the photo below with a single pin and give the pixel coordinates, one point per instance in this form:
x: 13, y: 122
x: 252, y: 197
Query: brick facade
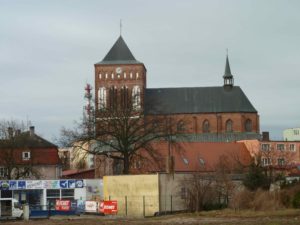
x: 135, y: 75
x: 131, y: 75
x: 119, y: 70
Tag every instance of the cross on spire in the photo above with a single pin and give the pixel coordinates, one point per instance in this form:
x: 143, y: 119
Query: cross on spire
x: 120, y: 27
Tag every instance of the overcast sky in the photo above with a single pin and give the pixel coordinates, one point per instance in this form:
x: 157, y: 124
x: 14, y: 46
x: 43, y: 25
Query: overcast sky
x: 48, y: 50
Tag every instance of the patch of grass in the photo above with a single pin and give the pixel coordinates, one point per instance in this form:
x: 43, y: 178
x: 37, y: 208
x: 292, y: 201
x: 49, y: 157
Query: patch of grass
x: 249, y: 213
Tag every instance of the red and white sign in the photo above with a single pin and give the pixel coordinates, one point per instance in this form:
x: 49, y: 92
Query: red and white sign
x: 63, y: 205
x: 91, y: 206
x: 108, y: 207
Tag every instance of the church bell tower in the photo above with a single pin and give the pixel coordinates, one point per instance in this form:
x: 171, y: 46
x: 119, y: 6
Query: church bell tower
x: 119, y: 79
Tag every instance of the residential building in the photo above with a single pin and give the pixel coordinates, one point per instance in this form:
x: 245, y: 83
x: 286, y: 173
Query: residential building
x: 277, y: 154
x: 184, y: 157
x: 25, y: 155
x: 291, y: 134
x: 76, y: 157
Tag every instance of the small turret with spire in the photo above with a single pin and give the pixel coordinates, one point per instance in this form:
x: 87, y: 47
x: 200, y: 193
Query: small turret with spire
x: 228, y: 77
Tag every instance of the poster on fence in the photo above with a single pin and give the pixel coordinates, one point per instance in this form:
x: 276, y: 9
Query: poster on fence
x: 63, y: 205
x: 108, y: 207
x: 91, y: 206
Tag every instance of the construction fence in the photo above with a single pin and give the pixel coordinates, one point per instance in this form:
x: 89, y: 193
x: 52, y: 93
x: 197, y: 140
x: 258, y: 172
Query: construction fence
x: 148, y: 205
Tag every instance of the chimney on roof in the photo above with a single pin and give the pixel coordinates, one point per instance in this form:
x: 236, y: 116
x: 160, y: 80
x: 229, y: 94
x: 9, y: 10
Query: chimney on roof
x: 10, y: 132
x: 31, y: 131
x: 265, y: 136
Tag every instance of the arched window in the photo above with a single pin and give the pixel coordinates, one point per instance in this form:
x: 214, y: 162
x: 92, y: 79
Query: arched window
x: 205, y: 126
x: 180, y: 126
x: 136, y: 98
x: 248, y: 125
x: 124, y: 97
x: 229, y: 126
x: 195, y: 124
x: 113, y: 93
x: 102, y: 98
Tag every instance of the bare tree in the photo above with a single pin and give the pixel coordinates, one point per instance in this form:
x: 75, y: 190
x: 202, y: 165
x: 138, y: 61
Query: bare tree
x: 224, y: 185
x: 200, y: 192
x: 123, y: 132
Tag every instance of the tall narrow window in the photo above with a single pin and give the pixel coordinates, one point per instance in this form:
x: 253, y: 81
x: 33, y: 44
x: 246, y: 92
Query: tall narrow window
x: 113, y: 93
x: 248, y: 125
x: 124, y: 97
x: 205, y: 126
x: 195, y: 124
x: 102, y: 98
x: 136, y: 97
x: 229, y: 125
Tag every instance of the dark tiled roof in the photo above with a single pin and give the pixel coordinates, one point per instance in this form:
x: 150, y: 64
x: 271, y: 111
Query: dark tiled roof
x: 196, y: 100
x: 26, y: 140
x: 119, y: 54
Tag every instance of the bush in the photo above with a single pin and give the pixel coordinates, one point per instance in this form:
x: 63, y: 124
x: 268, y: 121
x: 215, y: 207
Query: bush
x: 258, y: 200
x: 241, y: 200
x: 256, y: 178
x: 214, y: 206
x: 296, y: 200
x: 266, y: 200
x: 290, y: 195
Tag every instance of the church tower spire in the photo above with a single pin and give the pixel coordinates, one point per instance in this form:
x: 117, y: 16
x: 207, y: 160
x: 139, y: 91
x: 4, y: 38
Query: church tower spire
x: 228, y: 77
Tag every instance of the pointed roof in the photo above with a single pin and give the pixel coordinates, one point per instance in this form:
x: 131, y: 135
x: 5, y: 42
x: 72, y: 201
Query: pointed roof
x: 26, y: 140
x: 227, y: 73
x: 119, y: 54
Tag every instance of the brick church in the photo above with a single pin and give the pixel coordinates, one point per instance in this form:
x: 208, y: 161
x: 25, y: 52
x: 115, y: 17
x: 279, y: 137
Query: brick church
x: 214, y: 114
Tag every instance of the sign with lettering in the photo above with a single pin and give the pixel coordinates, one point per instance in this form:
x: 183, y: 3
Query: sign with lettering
x: 63, y: 205
x: 40, y: 184
x: 108, y: 207
x: 91, y: 206
x: 34, y: 184
x: 51, y: 184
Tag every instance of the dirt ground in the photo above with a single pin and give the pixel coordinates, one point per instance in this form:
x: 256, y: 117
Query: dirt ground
x: 291, y: 218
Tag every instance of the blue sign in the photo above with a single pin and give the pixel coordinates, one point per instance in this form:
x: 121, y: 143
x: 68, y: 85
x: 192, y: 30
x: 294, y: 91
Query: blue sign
x: 13, y: 185
x: 71, y: 183
x: 4, y: 185
x: 40, y: 184
x: 79, y: 184
x: 21, y: 184
x: 63, y: 184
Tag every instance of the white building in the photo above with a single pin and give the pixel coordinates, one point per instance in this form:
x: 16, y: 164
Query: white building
x: 291, y: 134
